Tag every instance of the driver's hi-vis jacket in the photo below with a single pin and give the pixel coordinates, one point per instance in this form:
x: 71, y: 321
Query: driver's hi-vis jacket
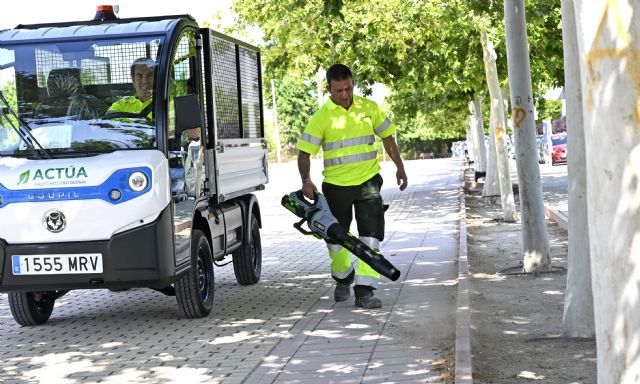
x: 347, y: 139
x: 130, y: 104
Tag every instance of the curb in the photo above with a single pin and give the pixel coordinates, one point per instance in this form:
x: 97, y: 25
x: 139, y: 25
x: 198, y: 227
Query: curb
x: 558, y: 217
x: 463, y: 306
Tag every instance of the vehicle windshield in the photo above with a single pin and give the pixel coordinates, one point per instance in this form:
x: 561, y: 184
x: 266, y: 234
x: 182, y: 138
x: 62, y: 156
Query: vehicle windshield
x: 559, y: 140
x: 64, y: 93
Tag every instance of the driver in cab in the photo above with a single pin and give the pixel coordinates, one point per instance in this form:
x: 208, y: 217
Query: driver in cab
x: 142, y: 74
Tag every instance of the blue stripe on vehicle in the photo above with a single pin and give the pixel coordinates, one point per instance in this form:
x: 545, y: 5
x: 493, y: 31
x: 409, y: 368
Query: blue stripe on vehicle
x: 118, y: 180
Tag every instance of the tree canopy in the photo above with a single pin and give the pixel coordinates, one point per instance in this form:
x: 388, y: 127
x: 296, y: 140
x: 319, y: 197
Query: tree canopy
x: 427, y: 52
x: 296, y: 103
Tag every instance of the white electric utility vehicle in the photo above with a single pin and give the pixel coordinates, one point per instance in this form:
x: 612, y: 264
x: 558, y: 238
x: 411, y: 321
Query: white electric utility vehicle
x: 92, y: 198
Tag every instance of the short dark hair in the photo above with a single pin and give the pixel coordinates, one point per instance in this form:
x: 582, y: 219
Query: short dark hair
x: 338, y: 72
x: 142, y: 61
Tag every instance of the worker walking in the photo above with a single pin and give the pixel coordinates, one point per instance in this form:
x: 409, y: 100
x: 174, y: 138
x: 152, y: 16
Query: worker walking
x: 345, y: 127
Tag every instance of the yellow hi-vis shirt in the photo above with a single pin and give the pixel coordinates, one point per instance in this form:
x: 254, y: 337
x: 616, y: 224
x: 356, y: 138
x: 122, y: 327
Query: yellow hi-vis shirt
x: 130, y: 104
x: 347, y: 139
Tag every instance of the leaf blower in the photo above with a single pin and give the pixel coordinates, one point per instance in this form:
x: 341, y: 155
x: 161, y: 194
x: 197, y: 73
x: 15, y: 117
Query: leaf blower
x: 324, y: 226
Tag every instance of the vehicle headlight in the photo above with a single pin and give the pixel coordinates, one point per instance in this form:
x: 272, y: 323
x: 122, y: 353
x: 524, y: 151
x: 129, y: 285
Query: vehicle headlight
x: 138, y: 181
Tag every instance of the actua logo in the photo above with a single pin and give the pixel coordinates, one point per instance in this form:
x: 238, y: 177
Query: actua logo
x: 52, y: 174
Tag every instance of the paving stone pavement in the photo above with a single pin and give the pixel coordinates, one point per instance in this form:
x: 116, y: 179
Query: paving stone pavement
x: 555, y: 187
x: 285, y: 329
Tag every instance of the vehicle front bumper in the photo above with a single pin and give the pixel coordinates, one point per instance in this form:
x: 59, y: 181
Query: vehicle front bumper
x: 141, y: 257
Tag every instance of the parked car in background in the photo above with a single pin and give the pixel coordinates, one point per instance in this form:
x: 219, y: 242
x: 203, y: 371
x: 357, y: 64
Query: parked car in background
x: 559, y: 153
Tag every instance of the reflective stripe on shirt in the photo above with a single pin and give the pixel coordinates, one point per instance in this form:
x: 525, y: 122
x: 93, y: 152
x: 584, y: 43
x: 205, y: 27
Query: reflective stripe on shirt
x: 385, y: 124
x: 350, y: 159
x: 370, y: 139
x: 311, y: 139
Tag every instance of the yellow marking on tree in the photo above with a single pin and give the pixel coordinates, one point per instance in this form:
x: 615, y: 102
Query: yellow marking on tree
x: 518, y: 116
x: 499, y: 133
x: 624, y: 51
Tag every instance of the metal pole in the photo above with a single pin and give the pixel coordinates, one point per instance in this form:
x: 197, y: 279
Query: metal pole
x: 320, y: 78
x: 276, y: 130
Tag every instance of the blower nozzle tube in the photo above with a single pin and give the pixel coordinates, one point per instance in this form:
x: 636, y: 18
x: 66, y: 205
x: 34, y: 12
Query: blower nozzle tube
x: 323, y: 225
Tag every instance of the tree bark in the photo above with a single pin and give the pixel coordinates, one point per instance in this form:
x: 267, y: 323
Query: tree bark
x: 276, y: 129
x: 491, y: 187
x: 535, y: 240
x: 578, y: 299
x: 471, y: 142
x: 499, y: 130
x: 480, y: 147
x: 609, y: 52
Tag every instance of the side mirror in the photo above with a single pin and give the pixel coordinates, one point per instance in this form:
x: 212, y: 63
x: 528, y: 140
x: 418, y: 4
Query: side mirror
x: 188, y: 114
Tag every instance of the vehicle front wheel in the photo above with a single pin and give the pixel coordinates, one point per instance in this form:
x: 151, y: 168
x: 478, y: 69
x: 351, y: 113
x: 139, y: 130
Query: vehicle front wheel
x: 194, y: 289
x: 247, y: 260
x: 31, y: 308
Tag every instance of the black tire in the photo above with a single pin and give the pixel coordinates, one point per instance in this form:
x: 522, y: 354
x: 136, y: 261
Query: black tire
x: 31, y: 308
x: 194, y: 289
x: 247, y: 260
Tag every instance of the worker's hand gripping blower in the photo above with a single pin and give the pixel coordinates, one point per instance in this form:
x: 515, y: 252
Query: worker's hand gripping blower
x: 324, y: 226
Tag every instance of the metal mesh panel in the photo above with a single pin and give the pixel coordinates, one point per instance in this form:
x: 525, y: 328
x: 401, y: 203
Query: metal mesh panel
x: 249, y: 81
x: 181, y: 68
x: 96, y: 71
x: 111, y: 64
x: 120, y: 57
x: 225, y: 86
x: 45, y: 62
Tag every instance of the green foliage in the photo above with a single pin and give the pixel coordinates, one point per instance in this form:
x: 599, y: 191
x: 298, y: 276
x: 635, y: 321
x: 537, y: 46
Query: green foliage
x: 427, y: 52
x: 549, y: 109
x: 296, y: 103
x: 7, y: 133
x: 9, y: 93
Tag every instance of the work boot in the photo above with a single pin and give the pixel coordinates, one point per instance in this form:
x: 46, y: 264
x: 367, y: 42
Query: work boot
x: 365, y: 299
x: 342, y: 292
x: 343, y: 287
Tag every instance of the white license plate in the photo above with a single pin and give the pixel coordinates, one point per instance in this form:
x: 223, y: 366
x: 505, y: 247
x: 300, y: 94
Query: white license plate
x: 56, y: 264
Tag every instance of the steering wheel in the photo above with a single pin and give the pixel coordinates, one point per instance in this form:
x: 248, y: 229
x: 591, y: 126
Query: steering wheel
x: 123, y: 115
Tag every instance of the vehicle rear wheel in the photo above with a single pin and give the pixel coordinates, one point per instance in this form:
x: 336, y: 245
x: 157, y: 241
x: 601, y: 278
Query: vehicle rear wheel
x: 194, y: 289
x: 247, y: 260
x: 31, y: 308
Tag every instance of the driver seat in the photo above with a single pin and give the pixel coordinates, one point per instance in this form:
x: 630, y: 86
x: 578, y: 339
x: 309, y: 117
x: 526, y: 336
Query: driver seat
x: 67, y: 97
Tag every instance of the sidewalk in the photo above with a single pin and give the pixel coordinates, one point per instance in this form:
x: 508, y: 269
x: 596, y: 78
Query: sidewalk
x: 286, y: 328
x: 403, y: 341
x: 555, y: 193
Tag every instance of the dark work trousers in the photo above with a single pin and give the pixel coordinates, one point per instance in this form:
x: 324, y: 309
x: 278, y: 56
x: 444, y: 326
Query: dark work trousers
x: 364, y: 199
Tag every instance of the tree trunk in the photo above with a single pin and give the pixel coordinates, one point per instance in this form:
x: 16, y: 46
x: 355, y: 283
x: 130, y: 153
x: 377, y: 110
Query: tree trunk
x: 481, y: 149
x: 609, y: 52
x: 471, y: 142
x: 505, y: 102
x: 491, y: 187
x: 578, y: 299
x: 320, y: 81
x: 535, y: 240
x: 497, y: 119
x: 276, y: 129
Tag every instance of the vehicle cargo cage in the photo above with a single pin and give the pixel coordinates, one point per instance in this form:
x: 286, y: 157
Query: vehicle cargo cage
x: 236, y: 86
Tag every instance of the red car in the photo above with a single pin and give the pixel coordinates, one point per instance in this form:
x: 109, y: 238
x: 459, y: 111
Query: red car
x: 559, y: 154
